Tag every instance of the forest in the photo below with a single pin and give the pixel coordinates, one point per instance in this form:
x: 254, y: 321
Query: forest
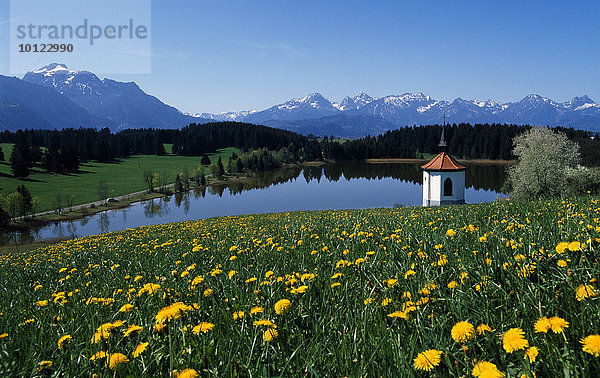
x: 479, y: 141
x: 63, y: 151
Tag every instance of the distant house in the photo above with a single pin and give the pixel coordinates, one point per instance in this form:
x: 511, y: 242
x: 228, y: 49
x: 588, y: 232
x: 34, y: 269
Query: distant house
x: 443, y: 179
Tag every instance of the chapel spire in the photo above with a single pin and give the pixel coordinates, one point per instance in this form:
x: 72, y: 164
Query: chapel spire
x: 443, y: 147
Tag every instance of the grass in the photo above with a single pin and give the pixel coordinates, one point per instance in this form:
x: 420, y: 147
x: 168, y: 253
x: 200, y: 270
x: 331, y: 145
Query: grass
x: 122, y: 177
x: 368, y: 291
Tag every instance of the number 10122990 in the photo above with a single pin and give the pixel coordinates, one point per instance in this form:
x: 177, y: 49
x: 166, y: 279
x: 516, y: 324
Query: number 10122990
x: 48, y: 48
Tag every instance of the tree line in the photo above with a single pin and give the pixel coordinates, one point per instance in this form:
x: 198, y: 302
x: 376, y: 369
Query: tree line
x: 479, y: 141
x: 63, y: 151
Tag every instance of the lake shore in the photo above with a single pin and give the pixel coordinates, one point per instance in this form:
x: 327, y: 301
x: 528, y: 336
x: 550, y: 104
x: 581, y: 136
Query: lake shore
x: 88, y: 209
x: 124, y: 201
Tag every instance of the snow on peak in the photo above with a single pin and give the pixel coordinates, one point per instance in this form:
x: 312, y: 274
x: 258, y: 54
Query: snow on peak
x: 314, y: 100
x: 587, y: 105
x: 408, y: 99
x: 362, y: 98
x: 580, y: 102
x: 313, y: 97
x: 53, y: 69
x: 536, y: 98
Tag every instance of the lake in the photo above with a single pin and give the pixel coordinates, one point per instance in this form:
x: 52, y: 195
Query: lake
x: 342, y: 185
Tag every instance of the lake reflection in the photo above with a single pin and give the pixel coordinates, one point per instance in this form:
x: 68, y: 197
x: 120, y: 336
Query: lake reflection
x: 346, y: 185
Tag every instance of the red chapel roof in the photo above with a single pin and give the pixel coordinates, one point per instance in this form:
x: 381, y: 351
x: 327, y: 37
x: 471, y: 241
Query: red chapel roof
x: 443, y: 162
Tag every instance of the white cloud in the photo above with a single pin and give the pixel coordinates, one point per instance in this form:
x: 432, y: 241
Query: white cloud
x: 265, y: 49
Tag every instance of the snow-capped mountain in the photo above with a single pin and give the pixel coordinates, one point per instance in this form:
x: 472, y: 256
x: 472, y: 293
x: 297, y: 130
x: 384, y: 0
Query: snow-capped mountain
x: 350, y: 104
x: 125, y: 105
x: 420, y: 109
x: 56, y: 96
x: 312, y: 106
x: 224, y: 116
x: 25, y: 105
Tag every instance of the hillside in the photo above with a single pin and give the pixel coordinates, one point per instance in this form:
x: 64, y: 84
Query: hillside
x: 452, y: 290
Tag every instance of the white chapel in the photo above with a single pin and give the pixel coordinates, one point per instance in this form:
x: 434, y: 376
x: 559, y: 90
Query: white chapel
x: 443, y: 179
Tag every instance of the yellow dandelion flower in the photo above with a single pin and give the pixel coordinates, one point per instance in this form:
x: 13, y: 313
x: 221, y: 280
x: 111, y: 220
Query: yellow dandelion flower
x: 173, y: 311
x: 462, y: 332
x: 203, y: 327
x: 116, y: 359
x: 159, y: 327
x: 513, y: 340
x: 4, y: 335
x: 591, y: 345
x: 486, y: 369
x: 238, y: 315
x: 42, y: 303
x: 186, y: 373
x: 562, y: 247
x: 43, y: 365
x: 231, y: 274
x: 335, y: 284
x: 126, y: 308
x: 427, y: 360
x: 531, y: 353
x: 386, y: 301
x: 574, y: 246
x: 149, y: 288
x: 450, y: 232
x: 558, y: 324
x: 141, y: 348
x: 117, y: 323
x: 409, y: 273
x: 132, y: 329
x: 299, y: 290
x: 256, y: 310
x: 442, y: 260
x: 64, y: 341
x: 399, y: 314
x: 208, y: 292
x: 102, y: 332
x: 98, y: 356
x: 265, y: 322
x: 542, y: 325
x: 483, y: 328
x: 452, y: 284
x: 270, y: 334
x: 283, y: 306
x: 562, y: 263
x: 250, y: 280
x: 585, y: 291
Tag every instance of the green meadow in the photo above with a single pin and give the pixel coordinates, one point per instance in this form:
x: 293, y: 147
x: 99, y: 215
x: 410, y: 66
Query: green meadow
x: 122, y: 177
x: 486, y: 290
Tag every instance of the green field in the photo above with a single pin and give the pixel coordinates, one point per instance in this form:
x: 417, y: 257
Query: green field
x: 472, y: 290
x: 122, y: 177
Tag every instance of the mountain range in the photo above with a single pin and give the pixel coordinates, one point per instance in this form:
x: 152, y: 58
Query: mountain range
x: 56, y: 97
x: 363, y: 114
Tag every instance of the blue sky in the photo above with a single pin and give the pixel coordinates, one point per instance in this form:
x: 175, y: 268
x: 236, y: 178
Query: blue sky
x: 212, y: 56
